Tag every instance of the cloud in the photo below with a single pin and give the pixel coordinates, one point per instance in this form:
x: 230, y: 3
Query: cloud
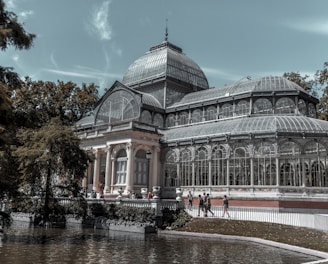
x: 99, y: 22
x: 223, y: 74
x: 26, y: 14
x: 313, y: 26
x: 83, y: 72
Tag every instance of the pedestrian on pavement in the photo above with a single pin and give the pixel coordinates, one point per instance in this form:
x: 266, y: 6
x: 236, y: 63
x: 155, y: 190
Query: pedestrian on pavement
x: 225, y: 206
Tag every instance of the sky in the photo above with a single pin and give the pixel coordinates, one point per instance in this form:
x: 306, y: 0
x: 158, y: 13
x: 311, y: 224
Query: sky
x: 95, y: 41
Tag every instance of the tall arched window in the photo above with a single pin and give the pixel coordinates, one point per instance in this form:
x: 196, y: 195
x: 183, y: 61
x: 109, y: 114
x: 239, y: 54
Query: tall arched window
x: 264, y: 164
x: 141, y: 168
x: 317, y: 159
x: 289, y: 163
x: 240, y: 167
x: 171, y: 170
x: 219, y: 166
x: 185, y: 167
x: 121, y: 164
x: 201, y: 167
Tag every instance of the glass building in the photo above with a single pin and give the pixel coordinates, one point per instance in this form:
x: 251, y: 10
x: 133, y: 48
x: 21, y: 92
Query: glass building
x: 162, y: 125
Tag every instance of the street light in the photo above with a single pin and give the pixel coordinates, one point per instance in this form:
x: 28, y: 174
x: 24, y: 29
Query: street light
x: 148, y: 157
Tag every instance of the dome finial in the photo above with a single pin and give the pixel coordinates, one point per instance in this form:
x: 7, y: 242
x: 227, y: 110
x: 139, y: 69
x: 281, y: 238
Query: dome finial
x: 166, y: 31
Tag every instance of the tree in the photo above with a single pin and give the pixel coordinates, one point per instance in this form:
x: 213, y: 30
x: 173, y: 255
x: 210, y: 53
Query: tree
x: 50, y: 162
x: 302, y: 81
x: 12, y: 33
x: 37, y: 102
x: 322, y: 82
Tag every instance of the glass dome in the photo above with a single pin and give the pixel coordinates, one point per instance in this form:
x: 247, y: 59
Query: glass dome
x: 165, y: 61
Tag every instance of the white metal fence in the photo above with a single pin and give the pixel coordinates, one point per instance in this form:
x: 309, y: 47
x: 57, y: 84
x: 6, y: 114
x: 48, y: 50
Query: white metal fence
x: 316, y: 221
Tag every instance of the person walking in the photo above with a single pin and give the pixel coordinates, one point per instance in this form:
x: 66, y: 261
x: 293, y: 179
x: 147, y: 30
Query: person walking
x: 200, y: 204
x: 209, y: 204
x: 190, y: 200
x: 205, y: 204
x: 225, y: 206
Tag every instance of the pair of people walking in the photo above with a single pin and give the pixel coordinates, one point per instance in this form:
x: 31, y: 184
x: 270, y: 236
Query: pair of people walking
x: 204, y: 204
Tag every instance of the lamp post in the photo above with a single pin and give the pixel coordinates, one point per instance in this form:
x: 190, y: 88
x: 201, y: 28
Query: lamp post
x: 148, y: 157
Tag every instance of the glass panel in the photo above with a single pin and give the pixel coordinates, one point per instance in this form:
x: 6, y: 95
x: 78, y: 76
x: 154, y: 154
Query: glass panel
x: 262, y: 106
x: 196, y: 116
x: 158, y: 120
x: 201, y: 167
x: 146, y: 117
x: 285, y: 106
x: 302, y: 106
x: 242, y: 108
x: 186, y: 168
x: 117, y: 106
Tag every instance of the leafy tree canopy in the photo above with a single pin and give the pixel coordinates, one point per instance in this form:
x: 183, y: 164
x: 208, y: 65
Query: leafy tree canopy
x: 12, y: 32
x: 37, y: 102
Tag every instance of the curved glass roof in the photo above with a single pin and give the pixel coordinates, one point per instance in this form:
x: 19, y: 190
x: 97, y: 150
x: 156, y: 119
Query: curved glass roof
x: 265, y: 84
x: 165, y: 60
x: 249, y: 125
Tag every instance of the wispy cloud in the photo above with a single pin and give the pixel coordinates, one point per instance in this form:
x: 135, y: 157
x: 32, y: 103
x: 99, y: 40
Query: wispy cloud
x: 313, y: 26
x: 26, y: 14
x: 99, y: 22
x: 223, y: 74
x: 82, y: 72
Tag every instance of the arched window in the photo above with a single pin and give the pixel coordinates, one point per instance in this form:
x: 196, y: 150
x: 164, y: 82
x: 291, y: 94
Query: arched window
x: 285, y: 105
x: 146, y: 117
x: 210, y: 113
x: 262, y: 106
x: 185, y: 168
x: 141, y: 168
x: 302, y: 106
x: 219, y: 166
x: 183, y: 118
x: 171, y: 178
x: 119, y: 105
x: 201, y: 167
x: 242, y: 108
x: 158, y: 120
x: 312, y: 111
x: 121, y: 164
x: 316, y: 157
x: 264, y: 164
x: 289, y: 162
x: 170, y: 120
x: 196, y: 116
x: 226, y: 110
x: 240, y: 167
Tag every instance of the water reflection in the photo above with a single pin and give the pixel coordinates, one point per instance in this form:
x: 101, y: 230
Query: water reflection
x: 24, y: 244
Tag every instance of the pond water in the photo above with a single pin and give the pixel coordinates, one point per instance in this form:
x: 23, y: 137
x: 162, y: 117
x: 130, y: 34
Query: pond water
x: 24, y: 244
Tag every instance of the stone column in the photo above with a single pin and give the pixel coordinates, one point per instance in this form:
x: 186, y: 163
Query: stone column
x: 113, y: 175
x: 108, y: 170
x: 129, y: 168
x: 96, y: 170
